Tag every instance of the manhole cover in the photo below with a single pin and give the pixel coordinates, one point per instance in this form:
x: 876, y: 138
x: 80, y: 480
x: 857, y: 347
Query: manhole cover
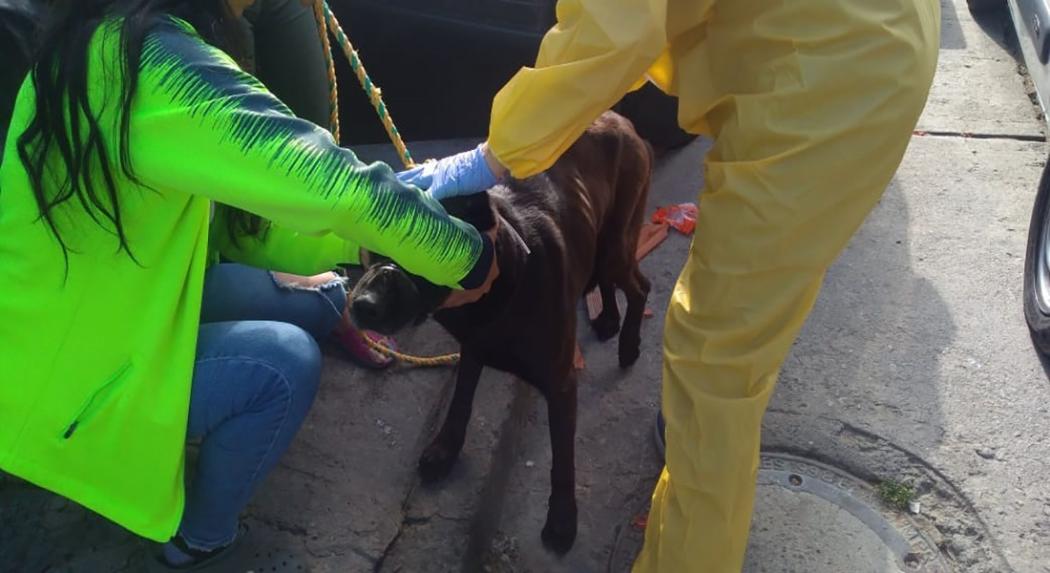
x: 813, y: 517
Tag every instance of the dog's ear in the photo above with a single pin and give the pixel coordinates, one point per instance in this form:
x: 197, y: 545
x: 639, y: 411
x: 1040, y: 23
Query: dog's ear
x: 430, y: 296
x: 475, y: 209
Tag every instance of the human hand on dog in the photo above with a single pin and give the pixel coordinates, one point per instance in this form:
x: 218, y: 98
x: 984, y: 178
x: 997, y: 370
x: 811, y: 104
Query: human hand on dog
x: 462, y: 297
x: 465, y: 173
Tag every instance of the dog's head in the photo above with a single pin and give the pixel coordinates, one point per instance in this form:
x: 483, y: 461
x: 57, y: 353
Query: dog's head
x: 388, y: 298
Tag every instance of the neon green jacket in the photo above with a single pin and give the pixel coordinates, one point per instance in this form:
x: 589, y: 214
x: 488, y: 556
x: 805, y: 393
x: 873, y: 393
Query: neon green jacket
x: 96, y: 360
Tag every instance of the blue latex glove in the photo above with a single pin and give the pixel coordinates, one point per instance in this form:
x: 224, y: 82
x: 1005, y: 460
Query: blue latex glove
x: 461, y: 174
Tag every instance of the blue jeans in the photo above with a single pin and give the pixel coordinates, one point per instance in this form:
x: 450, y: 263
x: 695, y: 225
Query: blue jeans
x: 256, y: 373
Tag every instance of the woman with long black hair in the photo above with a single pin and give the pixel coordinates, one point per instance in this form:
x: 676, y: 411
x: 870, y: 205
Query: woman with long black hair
x: 133, y: 121
x: 17, y: 21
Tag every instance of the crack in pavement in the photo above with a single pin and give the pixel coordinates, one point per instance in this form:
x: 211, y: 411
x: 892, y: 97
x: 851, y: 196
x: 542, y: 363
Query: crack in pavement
x: 434, y: 417
x: 388, y: 549
x: 978, y: 135
x: 453, y: 519
x: 364, y: 555
x: 280, y: 525
x: 485, y: 518
x: 339, y: 550
x: 416, y: 519
x: 406, y: 520
x: 306, y: 473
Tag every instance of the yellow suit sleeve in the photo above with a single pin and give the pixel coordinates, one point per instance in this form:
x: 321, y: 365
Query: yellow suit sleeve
x: 597, y: 52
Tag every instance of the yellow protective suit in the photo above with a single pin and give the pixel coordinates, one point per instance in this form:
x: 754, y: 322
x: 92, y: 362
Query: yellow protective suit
x: 811, y: 104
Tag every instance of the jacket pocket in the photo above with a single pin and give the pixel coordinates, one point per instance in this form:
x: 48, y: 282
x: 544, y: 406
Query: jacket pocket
x: 97, y: 400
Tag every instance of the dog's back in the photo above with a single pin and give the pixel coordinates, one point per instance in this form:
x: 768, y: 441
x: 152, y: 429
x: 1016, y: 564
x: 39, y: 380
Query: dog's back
x: 580, y: 219
x: 605, y: 179
x: 591, y: 201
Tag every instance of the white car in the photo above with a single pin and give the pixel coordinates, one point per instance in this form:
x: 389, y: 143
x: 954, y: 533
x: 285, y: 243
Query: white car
x: 1031, y: 19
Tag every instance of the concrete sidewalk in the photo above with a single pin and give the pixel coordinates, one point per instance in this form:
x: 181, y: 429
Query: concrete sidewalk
x: 914, y: 367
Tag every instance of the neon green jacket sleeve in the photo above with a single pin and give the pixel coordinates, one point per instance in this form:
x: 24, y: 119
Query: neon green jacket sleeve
x: 597, y: 52
x: 282, y: 249
x: 202, y: 126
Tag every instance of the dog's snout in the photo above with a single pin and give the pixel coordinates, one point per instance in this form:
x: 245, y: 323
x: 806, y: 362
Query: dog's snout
x: 385, y: 300
x: 367, y: 309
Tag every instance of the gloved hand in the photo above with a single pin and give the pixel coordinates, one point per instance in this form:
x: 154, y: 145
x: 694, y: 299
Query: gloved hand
x: 461, y: 174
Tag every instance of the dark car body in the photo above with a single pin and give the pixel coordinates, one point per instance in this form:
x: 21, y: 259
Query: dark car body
x: 440, y: 62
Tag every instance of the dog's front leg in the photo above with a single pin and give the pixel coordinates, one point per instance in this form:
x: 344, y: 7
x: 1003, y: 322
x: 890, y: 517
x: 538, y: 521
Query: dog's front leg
x: 439, y: 457
x: 559, y: 533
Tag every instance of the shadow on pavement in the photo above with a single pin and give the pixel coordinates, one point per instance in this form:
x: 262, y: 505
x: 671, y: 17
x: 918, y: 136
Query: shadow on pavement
x: 871, y: 347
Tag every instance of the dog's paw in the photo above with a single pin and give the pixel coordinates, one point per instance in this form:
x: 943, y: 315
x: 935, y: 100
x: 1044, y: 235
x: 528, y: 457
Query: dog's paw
x: 629, y: 354
x: 559, y: 533
x: 605, y: 326
x: 436, y: 462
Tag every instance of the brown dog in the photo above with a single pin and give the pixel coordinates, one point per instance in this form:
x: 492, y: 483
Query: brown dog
x: 560, y: 234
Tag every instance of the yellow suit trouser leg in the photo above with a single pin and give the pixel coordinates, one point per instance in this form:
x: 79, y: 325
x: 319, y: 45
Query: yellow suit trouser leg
x: 812, y: 104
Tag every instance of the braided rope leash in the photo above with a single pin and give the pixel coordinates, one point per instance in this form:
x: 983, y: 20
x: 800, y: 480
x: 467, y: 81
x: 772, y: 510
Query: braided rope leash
x: 327, y: 23
x: 441, y: 360
x: 333, y: 85
x: 375, y: 95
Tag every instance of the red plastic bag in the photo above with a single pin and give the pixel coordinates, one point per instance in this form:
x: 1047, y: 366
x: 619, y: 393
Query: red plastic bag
x: 681, y: 216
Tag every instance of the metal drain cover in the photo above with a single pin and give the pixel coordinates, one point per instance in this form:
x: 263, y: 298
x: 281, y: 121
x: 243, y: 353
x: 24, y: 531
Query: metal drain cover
x: 812, y: 517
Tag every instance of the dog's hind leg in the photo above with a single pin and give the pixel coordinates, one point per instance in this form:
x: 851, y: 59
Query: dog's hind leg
x: 636, y: 289
x: 607, y: 323
x: 634, y: 284
x: 439, y: 457
x: 559, y: 533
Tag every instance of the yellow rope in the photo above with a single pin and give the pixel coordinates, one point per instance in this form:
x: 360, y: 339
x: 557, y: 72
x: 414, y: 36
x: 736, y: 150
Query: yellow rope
x: 375, y: 95
x: 327, y: 23
x: 442, y: 360
x: 333, y: 84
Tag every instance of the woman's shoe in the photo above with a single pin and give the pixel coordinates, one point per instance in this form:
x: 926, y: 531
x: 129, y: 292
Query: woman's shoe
x: 177, y: 555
